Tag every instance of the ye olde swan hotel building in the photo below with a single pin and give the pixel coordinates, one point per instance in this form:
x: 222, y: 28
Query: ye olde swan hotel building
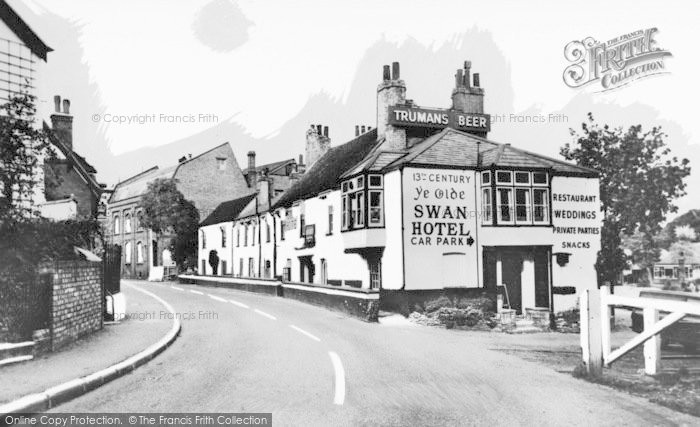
x: 422, y: 204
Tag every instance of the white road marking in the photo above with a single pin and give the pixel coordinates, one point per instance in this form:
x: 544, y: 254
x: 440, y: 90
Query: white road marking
x: 176, y: 288
x: 216, y: 298
x: 196, y: 292
x: 240, y: 304
x: 339, y: 378
x: 298, y: 329
x: 262, y: 313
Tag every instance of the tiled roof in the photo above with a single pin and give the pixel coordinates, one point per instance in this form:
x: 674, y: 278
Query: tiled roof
x: 137, y: 185
x: 324, y: 174
x: 453, y: 148
x: 228, y: 211
x: 272, y: 168
x: 81, y: 165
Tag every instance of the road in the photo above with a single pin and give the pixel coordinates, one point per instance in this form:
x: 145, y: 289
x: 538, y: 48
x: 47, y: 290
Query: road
x: 243, y: 352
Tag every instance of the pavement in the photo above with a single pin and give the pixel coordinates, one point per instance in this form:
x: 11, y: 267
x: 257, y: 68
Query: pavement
x: 243, y: 352
x: 113, y: 344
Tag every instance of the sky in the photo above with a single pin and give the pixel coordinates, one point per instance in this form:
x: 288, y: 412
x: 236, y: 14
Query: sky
x: 257, y: 73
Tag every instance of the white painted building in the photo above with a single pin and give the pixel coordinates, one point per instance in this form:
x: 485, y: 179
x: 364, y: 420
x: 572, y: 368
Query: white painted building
x: 424, y: 203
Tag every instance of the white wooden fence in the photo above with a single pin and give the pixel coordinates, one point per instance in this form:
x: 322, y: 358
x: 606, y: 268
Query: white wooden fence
x: 596, y: 307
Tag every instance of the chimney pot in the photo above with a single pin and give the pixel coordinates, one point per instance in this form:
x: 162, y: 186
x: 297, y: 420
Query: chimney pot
x: 395, y: 72
x: 387, y: 73
x: 476, y: 80
x: 362, y: 130
x: 57, y: 103
x: 66, y: 106
x: 319, y: 129
x: 467, y: 65
x: 357, y: 130
x: 325, y: 131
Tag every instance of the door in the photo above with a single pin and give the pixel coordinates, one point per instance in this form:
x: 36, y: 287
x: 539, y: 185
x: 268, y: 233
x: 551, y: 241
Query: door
x: 542, y: 259
x: 511, y: 271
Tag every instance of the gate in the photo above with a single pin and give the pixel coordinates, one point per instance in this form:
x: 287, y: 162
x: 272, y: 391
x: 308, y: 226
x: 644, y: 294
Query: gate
x: 596, y: 307
x: 111, y: 269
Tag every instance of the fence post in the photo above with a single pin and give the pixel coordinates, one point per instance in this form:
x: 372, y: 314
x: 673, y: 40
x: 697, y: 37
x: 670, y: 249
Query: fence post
x: 652, y: 347
x: 591, y: 339
x: 605, y: 324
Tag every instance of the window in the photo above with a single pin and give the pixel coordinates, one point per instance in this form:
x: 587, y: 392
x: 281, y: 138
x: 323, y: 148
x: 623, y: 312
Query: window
x: 204, y: 240
x: 245, y: 235
x: 221, y: 163
x: 485, y: 177
x: 137, y: 220
x: 116, y: 224
x: 360, y: 205
x: 504, y: 199
x: 504, y: 177
x: 282, y: 227
x: 375, y: 207
x: 127, y: 253
x: 223, y: 267
x: 240, y: 267
x: 486, y: 205
x: 375, y: 274
x: 330, y: 219
x: 127, y: 223
x: 223, y: 236
x: 522, y: 204
x: 522, y: 198
x: 267, y: 232
x: 522, y: 177
x: 539, y: 178
x: 540, y: 205
x: 375, y: 181
x: 139, y: 253
x: 302, y: 224
x: 238, y: 236
x: 252, y: 239
x: 251, y: 267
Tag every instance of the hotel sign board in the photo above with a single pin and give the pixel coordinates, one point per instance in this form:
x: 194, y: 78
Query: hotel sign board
x: 438, y: 119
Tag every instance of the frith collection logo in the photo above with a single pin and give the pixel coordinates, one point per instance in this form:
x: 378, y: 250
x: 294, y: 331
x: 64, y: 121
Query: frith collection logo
x: 614, y: 63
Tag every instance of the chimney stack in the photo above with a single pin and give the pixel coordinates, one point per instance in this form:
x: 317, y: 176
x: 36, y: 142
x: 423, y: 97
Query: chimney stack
x: 357, y: 130
x: 390, y: 92
x: 317, y: 144
x: 465, y: 97
x: 252, y: 175
x: 62, y: 122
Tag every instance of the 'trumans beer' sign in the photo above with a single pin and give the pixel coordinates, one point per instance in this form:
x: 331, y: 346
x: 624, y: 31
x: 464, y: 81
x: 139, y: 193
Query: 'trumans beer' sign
x: 423, y: 117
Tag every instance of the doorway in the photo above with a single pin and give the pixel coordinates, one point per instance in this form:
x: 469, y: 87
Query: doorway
x: 524, y: 273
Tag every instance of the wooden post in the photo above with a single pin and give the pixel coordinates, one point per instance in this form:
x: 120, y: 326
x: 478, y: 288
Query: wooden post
x: 605, y: 324
x: 594, y: 332
x: 652, y: 347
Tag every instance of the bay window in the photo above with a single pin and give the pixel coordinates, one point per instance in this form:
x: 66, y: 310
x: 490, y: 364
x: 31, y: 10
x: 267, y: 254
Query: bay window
x: 521, y: 197
x: 362, y: 202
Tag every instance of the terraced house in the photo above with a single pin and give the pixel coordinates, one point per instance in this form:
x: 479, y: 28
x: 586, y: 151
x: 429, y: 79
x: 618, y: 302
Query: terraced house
x: 425, y: 203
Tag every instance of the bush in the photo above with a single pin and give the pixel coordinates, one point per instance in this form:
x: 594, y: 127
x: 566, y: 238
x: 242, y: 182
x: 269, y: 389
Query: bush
x: 438, y: 303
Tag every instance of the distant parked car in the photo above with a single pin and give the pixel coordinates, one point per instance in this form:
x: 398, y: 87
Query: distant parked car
x: 685, y: 332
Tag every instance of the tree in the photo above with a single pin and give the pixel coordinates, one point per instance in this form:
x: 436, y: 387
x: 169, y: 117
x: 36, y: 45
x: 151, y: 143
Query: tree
x: 639, y: 181
x: 165, y: 211
x: 22, y: 145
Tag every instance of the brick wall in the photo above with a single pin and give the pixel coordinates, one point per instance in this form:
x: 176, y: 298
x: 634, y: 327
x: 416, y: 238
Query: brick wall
x: 70, y: 183
x: 202, y: 182
x: 76, y: 302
